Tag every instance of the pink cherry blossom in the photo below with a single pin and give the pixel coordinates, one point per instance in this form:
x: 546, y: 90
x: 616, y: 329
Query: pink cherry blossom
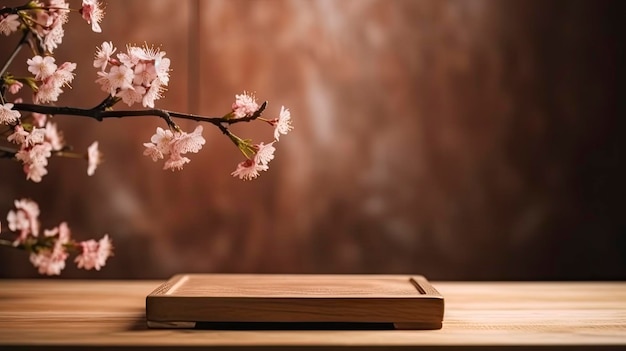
x: 139, y: 75
x: 39, y: 119
x: 245, y: 105
x: 160, y: 144
x: 162, y: 65
x: 120, y: 77
x: 282, y: 124
x: 19, y: 135
x: 49, y: 252
x: 94, y: 253
x: 153, y: 151
x: 47, y: 92
x: 41, y: 67
x: 164, y: 142
x: 130, y: 96
x: 146, y: 53
x: 15, y: 87
x: 40, y: 153
x: 248, y: 170
x: 93, y: 13
x: 53, y: 36
x: 162, y: 137
x: 30, y: 207
x: 150, y: 63
x: 176, y: 162
x: 94, y: 158
x: 51, y: 261
x: 18, y: 220
x: 105, y: 83
x: 62, y: 232
x: 36, y: 136
x: 154, y: 92
x: 132, y: 56
x: 51, y: 232
x: 88, y: 259
x: 25, y: 218
x: 265, y: 153
x: 9, y: 23
x: 48, y: 24
x: 7, y: 115
x: 35, y: 160
x: 188, y: 142
x: 54, y: 137
x: 145, y: 73
x: 35, y: 171
x: 51, y: 83
x: 103, y: 55
x: 105, y: 249
x: 64, y: 75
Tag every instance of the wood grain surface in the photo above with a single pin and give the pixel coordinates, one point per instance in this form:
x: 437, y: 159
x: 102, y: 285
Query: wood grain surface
x: 65, y: 315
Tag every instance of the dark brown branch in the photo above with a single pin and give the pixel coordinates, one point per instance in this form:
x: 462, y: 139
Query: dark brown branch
x: 99, y: 113
x: 55, y: 110
x: 6, y: 152
x: 220, y: 120
x: 14, y: 53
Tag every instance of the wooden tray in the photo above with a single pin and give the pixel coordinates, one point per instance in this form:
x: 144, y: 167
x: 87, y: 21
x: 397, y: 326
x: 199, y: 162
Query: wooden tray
x: 226, y: 301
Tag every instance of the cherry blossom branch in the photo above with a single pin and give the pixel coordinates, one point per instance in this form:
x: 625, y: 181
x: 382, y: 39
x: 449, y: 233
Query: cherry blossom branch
x: 99, y: 113
x: 12, y: 10
x: 108, y: 102
x: 50, y: 248
x: 6, y: 152
x: 220, y: 120
x: 28, y: 6
x: 14, y: 54
x: 138, y: 75
x: 38, y: 243
x: 96, y: 113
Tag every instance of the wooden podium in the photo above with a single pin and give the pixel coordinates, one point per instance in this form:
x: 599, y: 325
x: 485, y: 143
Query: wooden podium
x: 265, y: 301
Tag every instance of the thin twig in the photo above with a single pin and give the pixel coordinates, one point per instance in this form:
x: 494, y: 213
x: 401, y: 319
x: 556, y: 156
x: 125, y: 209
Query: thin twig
x: 100, y: 115
x: 14, y: 54
x: 219, y: 120
x: 5, y: 242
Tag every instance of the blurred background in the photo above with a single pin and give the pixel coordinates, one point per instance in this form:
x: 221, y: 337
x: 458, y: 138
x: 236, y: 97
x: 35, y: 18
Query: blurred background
x: 461, y: 140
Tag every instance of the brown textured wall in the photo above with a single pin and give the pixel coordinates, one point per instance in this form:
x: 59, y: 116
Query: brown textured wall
x: 457, y: 139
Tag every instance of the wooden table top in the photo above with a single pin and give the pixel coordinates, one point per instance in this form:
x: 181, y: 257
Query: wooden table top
x: 79, y: 314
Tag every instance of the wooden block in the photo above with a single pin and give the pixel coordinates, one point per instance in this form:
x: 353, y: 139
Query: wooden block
x: 190, y: 300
